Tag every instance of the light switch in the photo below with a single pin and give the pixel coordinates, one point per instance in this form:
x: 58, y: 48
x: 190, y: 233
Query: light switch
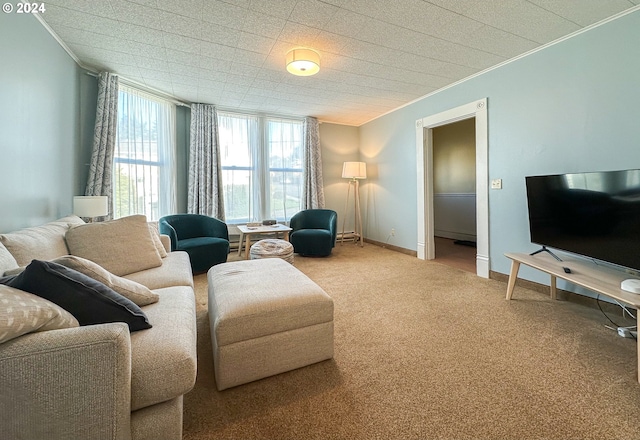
x: 496, y: 184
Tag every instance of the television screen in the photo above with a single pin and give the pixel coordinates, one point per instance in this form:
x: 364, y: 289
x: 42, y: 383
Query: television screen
x: 593, y: 214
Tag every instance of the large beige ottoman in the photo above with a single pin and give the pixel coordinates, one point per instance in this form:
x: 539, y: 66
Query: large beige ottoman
x: 266, y: 317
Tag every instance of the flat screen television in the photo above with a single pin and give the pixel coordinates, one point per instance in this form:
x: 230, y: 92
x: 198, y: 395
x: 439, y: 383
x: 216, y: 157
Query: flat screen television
x: 594, y: 214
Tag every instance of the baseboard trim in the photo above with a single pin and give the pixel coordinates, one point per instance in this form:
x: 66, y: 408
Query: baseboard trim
x: 392, y: 247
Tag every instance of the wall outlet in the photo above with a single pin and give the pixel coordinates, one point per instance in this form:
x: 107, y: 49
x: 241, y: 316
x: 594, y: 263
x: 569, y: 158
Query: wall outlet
x: 496, y: 184
x: 393, y: 232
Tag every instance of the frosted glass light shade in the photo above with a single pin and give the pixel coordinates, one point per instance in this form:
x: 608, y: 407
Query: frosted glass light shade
x: 90, y: 206
x: 354, y: 170
x: 303, y: 62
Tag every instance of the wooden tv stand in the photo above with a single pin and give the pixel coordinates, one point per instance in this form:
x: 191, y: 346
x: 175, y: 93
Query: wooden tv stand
x: 599, y: 279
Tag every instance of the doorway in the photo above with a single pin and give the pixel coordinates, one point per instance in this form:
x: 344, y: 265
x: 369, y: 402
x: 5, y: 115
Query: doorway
x: 454, y: 194
x: 424, y: 146
x: 452, y: 253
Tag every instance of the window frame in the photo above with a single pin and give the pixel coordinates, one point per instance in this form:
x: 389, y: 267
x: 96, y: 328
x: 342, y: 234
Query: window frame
x: 260, y: 169
x: 165, y: 163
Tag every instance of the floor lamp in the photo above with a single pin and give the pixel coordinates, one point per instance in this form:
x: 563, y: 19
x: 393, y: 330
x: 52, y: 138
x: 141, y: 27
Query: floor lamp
x: 354, y: 171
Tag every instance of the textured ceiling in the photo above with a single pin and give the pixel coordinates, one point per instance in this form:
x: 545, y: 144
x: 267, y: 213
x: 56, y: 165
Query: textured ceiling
x: 376, y: 55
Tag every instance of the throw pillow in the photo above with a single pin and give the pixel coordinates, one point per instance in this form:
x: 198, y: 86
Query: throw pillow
x: 22, y: 313
x: 44, y: 242
x: 136, y: 292
x: 155, y: 235
x: 7, y: 261
x: 88, y: 300
x: 121, y: 246
x: 15, y: 271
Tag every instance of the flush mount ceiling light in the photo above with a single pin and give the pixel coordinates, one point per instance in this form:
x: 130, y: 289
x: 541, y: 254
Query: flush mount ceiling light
x: 303, y: 62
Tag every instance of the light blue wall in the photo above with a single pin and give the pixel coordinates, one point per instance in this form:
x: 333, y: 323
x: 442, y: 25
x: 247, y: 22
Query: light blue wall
x: 570, y: 107
x: 42, y: 127
x: 339, y: 144
x: 574, y: 106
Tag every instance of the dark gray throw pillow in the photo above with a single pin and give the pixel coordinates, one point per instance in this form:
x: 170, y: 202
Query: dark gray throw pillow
x: 88, y: 300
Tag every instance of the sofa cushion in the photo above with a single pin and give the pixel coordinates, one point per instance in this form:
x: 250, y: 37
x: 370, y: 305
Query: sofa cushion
x: 121, y: 246
x: 136, y: 292
x: 22, y: 312
x: 7, y: 261
x: 175, y: 271
x: 44, y: 242
x: 88, y: 300
x: 163, y: 359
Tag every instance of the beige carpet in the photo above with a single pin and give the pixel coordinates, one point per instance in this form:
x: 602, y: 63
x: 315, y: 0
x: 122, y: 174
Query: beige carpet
x: 426, y: 351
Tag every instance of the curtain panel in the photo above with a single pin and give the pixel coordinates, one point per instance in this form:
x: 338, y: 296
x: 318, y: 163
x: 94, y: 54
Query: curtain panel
x: 100, y: 180
x: 313, y: 187
x: 205, y: 172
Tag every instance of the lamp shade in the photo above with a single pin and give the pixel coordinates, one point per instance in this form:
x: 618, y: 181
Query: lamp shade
x: 90, y: 206
x: 354, y: 170
x: 303, y: 62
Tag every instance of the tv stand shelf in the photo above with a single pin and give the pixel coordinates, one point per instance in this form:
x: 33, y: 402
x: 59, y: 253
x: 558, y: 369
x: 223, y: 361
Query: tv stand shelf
x: 588, y: 275
x: 599, y: 279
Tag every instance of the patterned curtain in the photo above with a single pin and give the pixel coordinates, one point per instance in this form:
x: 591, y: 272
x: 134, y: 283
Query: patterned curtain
x: 100, y: 179
x: 205, y: 170
x: 313, y: 188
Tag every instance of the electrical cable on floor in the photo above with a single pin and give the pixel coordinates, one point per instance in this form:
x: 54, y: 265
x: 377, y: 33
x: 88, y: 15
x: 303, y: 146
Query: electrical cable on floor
x: 624, y: 309
x: 605, y: 315
x: 610, y: 320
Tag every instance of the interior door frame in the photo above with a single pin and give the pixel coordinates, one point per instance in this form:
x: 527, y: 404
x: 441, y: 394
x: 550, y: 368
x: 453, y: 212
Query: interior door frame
x: 424, y: 148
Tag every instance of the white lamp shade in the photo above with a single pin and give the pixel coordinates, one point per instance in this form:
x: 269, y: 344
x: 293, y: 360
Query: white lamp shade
x: 90, y: 206
x: 354, y: 170
x: 303, y: 62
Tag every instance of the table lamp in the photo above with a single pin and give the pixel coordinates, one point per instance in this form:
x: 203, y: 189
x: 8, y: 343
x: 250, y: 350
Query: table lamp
x: 90, y: 207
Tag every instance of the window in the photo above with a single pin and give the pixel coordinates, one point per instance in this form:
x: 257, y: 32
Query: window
x: 262, y: 160
x: 285, y: 143
x: 144, y: 157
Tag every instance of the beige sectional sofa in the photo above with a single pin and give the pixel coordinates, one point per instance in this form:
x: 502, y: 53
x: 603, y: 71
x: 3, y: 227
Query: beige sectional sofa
x: 101, y: 381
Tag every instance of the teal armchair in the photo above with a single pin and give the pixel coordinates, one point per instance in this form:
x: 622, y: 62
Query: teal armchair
x: 204, y: 238
x: 314, y: 232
